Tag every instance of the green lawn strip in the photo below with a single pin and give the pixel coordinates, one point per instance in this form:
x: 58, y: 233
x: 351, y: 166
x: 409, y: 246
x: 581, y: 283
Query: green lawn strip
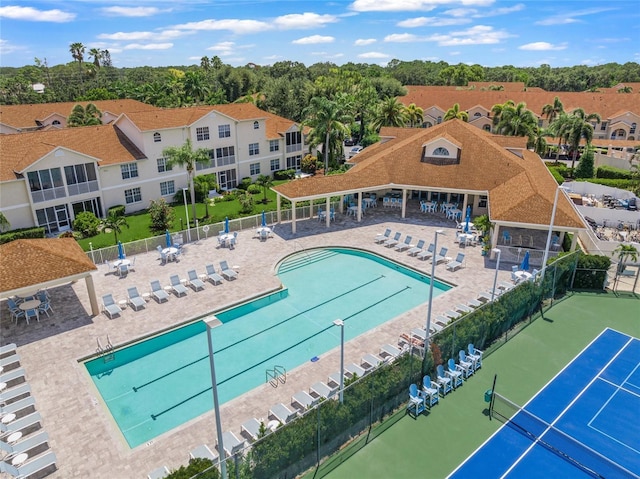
x: 435, y: 444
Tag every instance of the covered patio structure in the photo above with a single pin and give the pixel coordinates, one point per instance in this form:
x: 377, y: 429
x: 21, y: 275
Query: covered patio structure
x: 28, y: 265
x: 450, y: 163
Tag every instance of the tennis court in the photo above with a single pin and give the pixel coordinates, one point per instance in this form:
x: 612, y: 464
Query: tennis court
x: 583, y: 423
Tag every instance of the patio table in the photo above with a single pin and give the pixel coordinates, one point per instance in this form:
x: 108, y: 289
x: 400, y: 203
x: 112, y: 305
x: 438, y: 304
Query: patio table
x: 31, y: 304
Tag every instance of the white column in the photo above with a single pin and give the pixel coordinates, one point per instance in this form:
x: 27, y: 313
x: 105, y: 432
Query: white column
x: 574, y: 241
x: 279, y: 207
x: 359, y: 217
x: 495, y: 236
x: 404, y: 203
x: 327, y: 209
x: 293, y: 217
x: 91, y: 289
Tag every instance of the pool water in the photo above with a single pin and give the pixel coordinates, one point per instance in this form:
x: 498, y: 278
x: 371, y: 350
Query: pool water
x: 160, y: 383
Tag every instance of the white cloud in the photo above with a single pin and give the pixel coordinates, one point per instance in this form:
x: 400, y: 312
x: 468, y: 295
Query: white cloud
x: 137, y: 36
x: 570, y: 16
x: 542, y: 46
x: 374, y: 55
x: 432, y: 22
x: 402, y: 38
x: 222, y: 47
x: 148, y: 46
x: 313, y: 39
x: 409, y: 5
x: 132, y: 11
x: 234, y: 25
x: 361, y: 42
x: 35, y: 15
x: 303, y: 20
x: 273, y: 57
x: 477, y: 35
x: 6, y: 47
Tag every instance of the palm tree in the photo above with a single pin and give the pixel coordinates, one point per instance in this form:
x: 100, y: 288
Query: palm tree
x: 415, y: 115
x: 96, y: 54
x: 390, y: 112
x: 455, y: 112
x: 326, y: 117
x: 498, y: 108
x: 265, y: 182
x: 81, y: 116
x: 552, y: 111
x: 516, y: 121
x: 580, y: 127
x: 77, y: 50
x: 624, y: 252
x: 114, y: 222
x: 538, y: 141
x: 185, y: 157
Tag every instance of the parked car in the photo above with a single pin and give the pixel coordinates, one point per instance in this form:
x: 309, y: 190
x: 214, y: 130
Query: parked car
x: 354, y: 151
x: 350, y: 142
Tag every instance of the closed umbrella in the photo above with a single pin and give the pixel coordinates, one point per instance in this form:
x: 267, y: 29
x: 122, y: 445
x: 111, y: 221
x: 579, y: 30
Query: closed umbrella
x: 121, y: 254
x: 167, y: 237
x: 468, y: 219
x: 264, y: 219
x: 524, y: 266
x: 226, y: 224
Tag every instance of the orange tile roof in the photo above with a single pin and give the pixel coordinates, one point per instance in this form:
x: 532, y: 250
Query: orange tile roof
x: 605, y: 104
x: 519, y: 188
x: 106, y: 143
x: 28, y: 116
x: 31, y: 262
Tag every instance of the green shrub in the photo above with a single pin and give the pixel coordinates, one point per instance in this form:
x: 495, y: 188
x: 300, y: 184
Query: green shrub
x: 196, y: 466
x: 86, y: 223
x: 25, y: 233
x: 614, y: 183
x: 556, y: 175
x: 591, y: 272
x: 612, y: 173
x: 284, y: 175
x: 118, y: 209
x: 245, y: 183
x: 254, y: 189
x: 585, y: 167
x: 161, y: 214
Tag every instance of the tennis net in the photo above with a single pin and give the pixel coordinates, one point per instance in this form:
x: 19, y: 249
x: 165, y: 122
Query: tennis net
x: 546, y: 435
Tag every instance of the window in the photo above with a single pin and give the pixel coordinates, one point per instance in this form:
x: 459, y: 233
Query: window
x: 157, y: 138
x: 93, y: 205
x: 603, y: 126
x: 55, y: 122
x: 256, y: 125
x: 293, y: 141
x: 224, y: 131
x: 275, y: 164
x: 227, y: 179
x: 225, y: 156
x: 46, y: 184
x: 167, y: 188
x: 633, y: 128
x: 274, y: 145
x: 254, y: 169
x: 81, y: 178
x: 209, y: 164
x: 440, y: 152
x: 54, y: 219
x: 293, y: 162
x: 132, y: 196
x: 482, y: 203
x: 254, y: 149
x: 202, y: 133
x: 163, y: 165
x: 487, y: 128
x: 129, y: 170
x: 477, y: 114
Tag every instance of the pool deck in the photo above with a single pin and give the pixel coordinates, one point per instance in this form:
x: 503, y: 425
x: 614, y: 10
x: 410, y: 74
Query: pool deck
x: 83, y: 436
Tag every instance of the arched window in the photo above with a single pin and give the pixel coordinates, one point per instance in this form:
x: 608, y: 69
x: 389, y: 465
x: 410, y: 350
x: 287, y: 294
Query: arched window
x: 619, y: 134
x: 55, y: 122
x: 487, y: 128
x: 440, y: 151
x: 157, y: 138
x: 427, y: 124
x: 477, y: 114
x: 256, y: 125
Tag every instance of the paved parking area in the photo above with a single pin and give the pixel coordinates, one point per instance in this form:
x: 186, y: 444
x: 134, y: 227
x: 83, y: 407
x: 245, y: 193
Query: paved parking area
x: 84, y: 437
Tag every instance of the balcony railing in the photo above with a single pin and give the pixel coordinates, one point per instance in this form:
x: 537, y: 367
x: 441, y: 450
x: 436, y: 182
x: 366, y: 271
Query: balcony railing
x: 48, y: 194
x: 81, y: 188
x: 294, y: 148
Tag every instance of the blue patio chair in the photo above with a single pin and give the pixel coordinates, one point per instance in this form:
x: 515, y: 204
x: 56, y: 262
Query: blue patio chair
x: 416, y: 400
x: 431, y: 391
x: 135, y: 300
x: 443, y: 380
x: 455, y: 372
x: 227, y: 272
x: 176, y: 285
x: 45, y: 306
x: 475, y: 355
x: 506, y: 237
x: 32, y: 313
x: 382, y: 237
x: 157, y: 292
x: 15, y: 311
x: 427, y: 253
x: 109, y: 306
x: 212, y: 276
x: 465, y: 363
x: 196, y: 283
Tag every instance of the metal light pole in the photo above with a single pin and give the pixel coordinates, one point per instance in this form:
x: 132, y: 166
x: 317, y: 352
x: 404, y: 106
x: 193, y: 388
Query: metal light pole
x: 339, y: 322
x: 186, y: 212
x: 548, y: 245
x: 211, y: 322
x: 497, y: 252
x: 433, y: 273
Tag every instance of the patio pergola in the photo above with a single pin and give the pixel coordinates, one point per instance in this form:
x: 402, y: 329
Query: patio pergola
x: 29, y: 264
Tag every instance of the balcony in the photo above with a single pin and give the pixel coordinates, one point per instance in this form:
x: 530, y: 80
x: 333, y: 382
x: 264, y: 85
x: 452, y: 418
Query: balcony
x: 82, y: 188
x: 294, y: 148
x: 48, y: 194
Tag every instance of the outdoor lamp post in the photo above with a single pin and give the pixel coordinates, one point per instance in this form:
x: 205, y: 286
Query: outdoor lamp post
x: 548, y: 245
x: 339, y: 322
x: 431, y: 281
x: 497, y: 252
x: 211, y: 322
x: 186, y: 212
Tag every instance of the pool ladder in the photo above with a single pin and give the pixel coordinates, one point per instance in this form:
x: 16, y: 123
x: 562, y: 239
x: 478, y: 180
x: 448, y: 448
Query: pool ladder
x: 276, y: 376
x: 105, y: 352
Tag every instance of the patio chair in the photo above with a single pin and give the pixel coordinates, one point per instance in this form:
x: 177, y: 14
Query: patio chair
x: 414, y: 250
x: 452, y: 314
x: 463, y: 308
x: 195, y: 282
x: 354, y: 370
x: 18, y: 406
x: 212, y: 276
x: 135, y: 300
x: 465, y: 363
x: 8, y: 349
x: 123, y: 270
x: 443, y: 380
x: 31, y: 314
x: 304, y: 400
x: 457, y: 263
x: 506, y: 237
x: 203, y: 452
x: 442, y: 256
x: 227, y: 272
x: 12, y: 378
x: 157, y: 291
x: 475, y: 355
x: 15, y: 311
x: 282, y: 413
x: 474, y: 303
x: 25, y: 424
x: 159, y: 473
x: 231, y: 444
x: 10, y: 362
x: 416, y: 400
x: 431, y: 391
x: 45, y: 306
x: 390, y: 243
x: 382, y: 237
x: 370, y: 362
x: 514, y: 276
x: 176, y: 285
x: 335, y: 378
x: 389, y: 352
x: 455, y: 372
x: 30, y: 468
x: 132, y: 266
x: 320, y: 389
x: 405, y: 245
x: 11, y: 395
x: 427, y: 253
x: 251, y: 428
x: 109, y: 306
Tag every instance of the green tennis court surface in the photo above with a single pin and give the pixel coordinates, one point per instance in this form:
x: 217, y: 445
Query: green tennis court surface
x: 437, y: 442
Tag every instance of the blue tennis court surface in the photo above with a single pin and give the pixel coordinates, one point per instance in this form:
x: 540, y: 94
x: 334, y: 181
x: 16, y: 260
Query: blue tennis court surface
x: 584, y: 423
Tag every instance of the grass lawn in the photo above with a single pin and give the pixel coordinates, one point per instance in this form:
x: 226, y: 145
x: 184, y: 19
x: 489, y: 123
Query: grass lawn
x: 433, y: 445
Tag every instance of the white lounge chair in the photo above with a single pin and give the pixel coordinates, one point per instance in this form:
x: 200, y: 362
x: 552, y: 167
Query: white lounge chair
x: 406, y: 244
x: 382, y: 237
x: 15, y: 393
x: 355, y: 370
x: 17, y: 406
x: 335, y: 378
x: 12, y: 360
x: 231, y: 444
x: 30, y: 442
x: 7, y: 349
x: 212, y: 276
x: 252, y: 428
x: 282, y: 413
x: 30, y: 468
x: 303, y: 399
x: 195, y: 282
x: 456, y: 263
x: 390, y: 243
x: 159, y: 473
x: 416, y: 249
x: 389, y: 351
x: 321, y: 390
x: 452, y: 314
x: 158, y: 293
x: 203, y: 452
x: 463, y: 308
x: 21, y: 424
x: 441, y: 256
x: 178, y: 288
x: 426, y: 253
x: 227, y: 272
x: 135, y: 300
x: 371, y: 361
x: 109, y: 306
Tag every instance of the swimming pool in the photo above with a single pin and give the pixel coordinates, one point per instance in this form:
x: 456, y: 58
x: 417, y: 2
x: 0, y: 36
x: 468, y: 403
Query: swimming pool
x: 157, y: 384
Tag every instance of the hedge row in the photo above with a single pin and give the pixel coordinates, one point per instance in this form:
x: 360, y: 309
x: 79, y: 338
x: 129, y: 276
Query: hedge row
x: 609, y: 172
x: 26, y: 233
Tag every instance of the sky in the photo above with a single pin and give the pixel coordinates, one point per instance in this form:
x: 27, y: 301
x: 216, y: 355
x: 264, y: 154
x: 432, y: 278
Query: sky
x: 181, y: 32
